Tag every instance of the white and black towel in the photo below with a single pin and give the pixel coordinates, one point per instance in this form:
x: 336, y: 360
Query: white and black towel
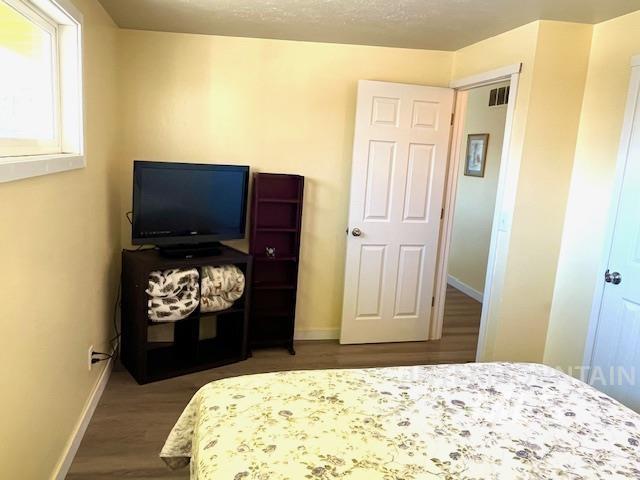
x: 221, y: 287
x: 173, y: 294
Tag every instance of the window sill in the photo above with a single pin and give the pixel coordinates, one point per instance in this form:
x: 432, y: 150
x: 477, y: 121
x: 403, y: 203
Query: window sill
x: 17, y: 168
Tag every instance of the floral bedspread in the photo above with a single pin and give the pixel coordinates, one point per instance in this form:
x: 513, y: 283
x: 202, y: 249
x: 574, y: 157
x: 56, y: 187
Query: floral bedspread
x: 472, y: 421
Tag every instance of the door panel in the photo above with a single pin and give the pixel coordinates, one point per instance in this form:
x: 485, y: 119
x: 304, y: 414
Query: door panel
x: 379, y: 176
x: 426, y: 115
x: 409, y: 281
x: 385, y: 111
x: 418, y: 187
x: 397, y: 182
x: 370, y: 280
x: 615, y: 362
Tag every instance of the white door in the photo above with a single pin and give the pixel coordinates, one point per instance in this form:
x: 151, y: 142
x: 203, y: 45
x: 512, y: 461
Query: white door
x: 398, y: 173
x: 615, y: 361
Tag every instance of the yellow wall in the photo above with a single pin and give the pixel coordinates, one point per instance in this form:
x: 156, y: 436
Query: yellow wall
x: 614, y: 43
x: 278, y: 106
x: 475, y: 198
x: 548, y: 151
x: 555, y: 59
x: 285, y: 106
x: 60, y: 243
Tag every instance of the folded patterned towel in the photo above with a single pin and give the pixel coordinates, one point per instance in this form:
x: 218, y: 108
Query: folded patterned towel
x: 221, y: 286
x: 173, y: 294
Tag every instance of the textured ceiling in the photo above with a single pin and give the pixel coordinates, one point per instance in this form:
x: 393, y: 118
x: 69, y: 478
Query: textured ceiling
x: 429, y: 24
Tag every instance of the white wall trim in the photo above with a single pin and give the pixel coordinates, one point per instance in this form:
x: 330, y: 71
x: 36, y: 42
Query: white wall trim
x: 502, y: 217
x: 464, y: 288
x: 630, y: 116
x: 492, y: 76
x: 17, y: 168
x: 64, y: 464
x: 455, y: 150
x: 319, y: 334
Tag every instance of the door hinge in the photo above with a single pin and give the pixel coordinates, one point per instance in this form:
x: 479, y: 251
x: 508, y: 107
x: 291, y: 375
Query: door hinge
x: 452, y: 117
x: 433, y: 301
x: 441, y: 213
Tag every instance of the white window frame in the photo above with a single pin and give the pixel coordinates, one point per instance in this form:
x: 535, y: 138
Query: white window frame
x: 31, y: 158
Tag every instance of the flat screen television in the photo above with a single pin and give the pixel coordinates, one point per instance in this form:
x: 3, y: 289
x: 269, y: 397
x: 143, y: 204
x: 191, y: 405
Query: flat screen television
x: 188, y: 203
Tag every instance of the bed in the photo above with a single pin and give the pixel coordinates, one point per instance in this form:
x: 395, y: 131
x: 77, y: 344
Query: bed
x: 471, y: 421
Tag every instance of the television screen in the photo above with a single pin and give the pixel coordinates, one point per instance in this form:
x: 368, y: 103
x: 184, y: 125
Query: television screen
x: 185, y: 203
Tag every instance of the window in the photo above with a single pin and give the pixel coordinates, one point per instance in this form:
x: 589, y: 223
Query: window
x: 40, y: 88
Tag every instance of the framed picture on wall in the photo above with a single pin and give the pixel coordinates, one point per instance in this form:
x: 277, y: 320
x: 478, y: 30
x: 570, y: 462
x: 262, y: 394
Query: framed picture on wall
x: 476, y: 154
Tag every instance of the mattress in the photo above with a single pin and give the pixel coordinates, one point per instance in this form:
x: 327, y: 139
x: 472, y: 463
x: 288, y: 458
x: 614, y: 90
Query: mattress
x: 471, y: 421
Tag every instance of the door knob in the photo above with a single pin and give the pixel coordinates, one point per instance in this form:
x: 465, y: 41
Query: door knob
x: 612, y: 277
x: 356, y: 232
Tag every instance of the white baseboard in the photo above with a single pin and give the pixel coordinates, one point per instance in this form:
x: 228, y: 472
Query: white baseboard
x: 322, y: 334
x: 464, y: 288
x: 63, y: 466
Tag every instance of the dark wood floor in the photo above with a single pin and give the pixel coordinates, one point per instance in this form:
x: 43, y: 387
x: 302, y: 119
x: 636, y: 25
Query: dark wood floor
x: 132, y: 421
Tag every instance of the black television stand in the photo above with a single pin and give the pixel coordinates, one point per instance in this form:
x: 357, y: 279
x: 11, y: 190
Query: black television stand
x: 192, y: 251
x: 187, y: 351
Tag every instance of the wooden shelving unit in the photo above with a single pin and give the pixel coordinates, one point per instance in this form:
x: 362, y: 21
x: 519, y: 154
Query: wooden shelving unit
x: 151, y: 361
x: 276, y: 221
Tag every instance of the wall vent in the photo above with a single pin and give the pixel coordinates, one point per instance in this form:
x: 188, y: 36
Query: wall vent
x: 499, y: 96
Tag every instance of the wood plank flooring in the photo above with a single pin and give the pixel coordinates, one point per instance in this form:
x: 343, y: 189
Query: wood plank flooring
x: 132, y: 421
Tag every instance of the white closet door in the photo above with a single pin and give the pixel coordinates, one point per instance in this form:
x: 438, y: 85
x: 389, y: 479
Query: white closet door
x: 615, y: 364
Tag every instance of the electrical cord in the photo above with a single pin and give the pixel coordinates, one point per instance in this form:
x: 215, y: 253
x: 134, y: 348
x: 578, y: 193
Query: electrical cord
x: 117, y: 303
x: 103, y: 353
x: 129, y: 216
x: 140, y: 247
x: 116, y: 338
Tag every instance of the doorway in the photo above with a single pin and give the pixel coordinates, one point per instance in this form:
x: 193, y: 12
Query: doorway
x: 485, y: 295
x: 477, y: 172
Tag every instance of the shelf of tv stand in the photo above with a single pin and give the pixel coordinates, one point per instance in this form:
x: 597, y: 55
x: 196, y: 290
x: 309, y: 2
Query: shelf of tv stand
x: 198, y: 314
x: 227, y: 311
x: 157, y: 345
x: 165, y: 362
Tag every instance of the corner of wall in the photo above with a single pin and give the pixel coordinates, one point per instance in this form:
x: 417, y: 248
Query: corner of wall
x: 558, y: 80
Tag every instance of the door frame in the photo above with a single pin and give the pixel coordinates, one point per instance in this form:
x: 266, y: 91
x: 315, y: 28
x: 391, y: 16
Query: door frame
x: 505, y: 197
x: 631, y: 114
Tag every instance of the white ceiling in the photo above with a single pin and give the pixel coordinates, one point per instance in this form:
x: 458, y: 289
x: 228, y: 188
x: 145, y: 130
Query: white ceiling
x: 429, y: 24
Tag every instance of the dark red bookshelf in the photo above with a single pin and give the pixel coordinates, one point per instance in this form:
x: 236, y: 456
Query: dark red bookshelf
x: 276, y: 221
